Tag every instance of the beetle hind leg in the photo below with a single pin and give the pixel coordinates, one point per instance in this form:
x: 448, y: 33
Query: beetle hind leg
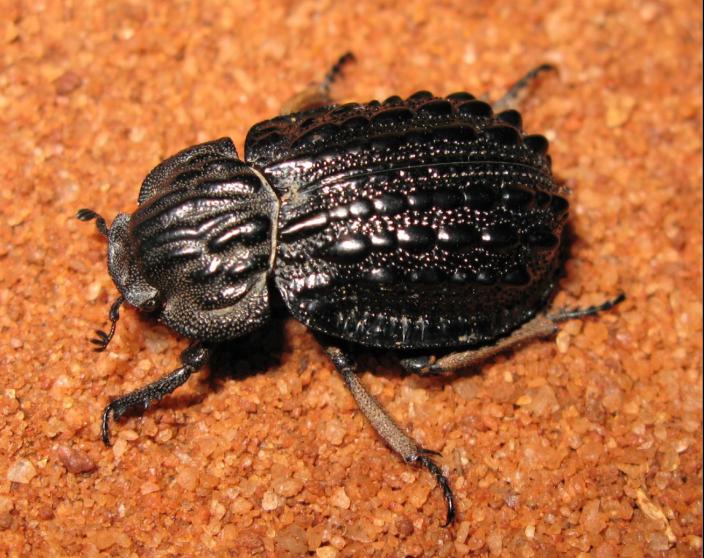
x: 192, y: 359
x: 542, y: 325
x: 317, y: 94
x: 385, y: 426
x: 513, y: 96
x: 574, y: 313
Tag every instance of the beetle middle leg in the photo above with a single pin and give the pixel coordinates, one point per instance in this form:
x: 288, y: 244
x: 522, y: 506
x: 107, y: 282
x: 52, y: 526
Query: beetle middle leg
x: 542, y: 325
x: 192, y: 359
x: 317, y: 94
x: 385, y: 426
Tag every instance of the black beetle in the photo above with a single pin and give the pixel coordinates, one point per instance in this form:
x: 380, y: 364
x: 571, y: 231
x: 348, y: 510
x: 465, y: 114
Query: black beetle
x: 424, y: 226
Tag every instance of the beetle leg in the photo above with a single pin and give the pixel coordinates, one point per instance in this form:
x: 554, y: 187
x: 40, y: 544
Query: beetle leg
x: 513, y: 95
x: 317, y: 94
x: 193, y: 358
x: 570, y: 314
x: 88, y: 215
x: 102, y: 339
x: 392, y: 434
x: 423, y: 365
x: 540, y: 326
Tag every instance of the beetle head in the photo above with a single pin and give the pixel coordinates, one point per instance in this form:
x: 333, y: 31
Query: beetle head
x: 197, y: 251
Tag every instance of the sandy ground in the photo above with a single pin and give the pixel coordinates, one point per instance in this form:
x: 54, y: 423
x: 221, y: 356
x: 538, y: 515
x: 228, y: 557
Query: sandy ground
x: 589, y: 444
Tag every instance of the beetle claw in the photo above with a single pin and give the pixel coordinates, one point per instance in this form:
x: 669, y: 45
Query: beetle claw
x: 431, y: 466
x: 86, y: 214
x: 425, y: 451
x: 101, y: 341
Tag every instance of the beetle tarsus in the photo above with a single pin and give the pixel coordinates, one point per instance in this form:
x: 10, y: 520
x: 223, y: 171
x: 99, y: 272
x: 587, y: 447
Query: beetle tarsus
x: 102, y: 338
x: 336, y: 70
x: 86, y: 215
x: 422, y: 365
x: 193, y: 358
x: 426, y: 451
x: 513, y: 95
x: 431, y: 466
x: 317, y: 95
x: 574, y: 313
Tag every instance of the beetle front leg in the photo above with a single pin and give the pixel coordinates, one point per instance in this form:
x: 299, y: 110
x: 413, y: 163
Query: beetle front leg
x: 102, y: 339
x: 193, y: 358
x: 392, y: 434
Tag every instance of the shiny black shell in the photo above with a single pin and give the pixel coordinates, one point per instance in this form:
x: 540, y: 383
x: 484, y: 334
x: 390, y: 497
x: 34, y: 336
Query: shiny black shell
x: 409, y: 224
x: 196, y: 252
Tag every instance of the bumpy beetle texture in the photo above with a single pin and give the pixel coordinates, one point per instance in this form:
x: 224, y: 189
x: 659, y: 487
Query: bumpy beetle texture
x: 423, y: 225
x: 199, y: 246
x: 411, y: 224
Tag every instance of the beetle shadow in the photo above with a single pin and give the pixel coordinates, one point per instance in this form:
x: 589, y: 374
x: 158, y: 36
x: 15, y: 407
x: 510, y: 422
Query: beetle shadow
x: 254, y: 353
x: 240, y: 358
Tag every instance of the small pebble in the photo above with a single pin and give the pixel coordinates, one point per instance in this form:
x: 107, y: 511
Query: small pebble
x: 288, y: 487
x: 562, y: 340
x: 119, y: 448
x: 148, y: 487
x: 67, y: 83
x: 21, y: 471
x: 334, y: 432
x: 76, y: 461
x: 326, y: 552
x: 271, y: 501
x: 340, y: 499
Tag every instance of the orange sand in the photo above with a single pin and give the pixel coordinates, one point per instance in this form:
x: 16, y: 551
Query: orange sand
x: 589, y: 444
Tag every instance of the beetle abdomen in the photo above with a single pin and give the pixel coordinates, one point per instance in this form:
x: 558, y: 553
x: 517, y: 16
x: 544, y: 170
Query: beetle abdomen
x: 420, y: 223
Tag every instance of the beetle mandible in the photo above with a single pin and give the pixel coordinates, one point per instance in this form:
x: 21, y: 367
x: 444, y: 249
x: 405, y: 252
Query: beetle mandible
x: 427, y: 226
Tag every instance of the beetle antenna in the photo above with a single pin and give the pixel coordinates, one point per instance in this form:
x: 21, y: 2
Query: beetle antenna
x: 103, y: 339
x: 88, y: 215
